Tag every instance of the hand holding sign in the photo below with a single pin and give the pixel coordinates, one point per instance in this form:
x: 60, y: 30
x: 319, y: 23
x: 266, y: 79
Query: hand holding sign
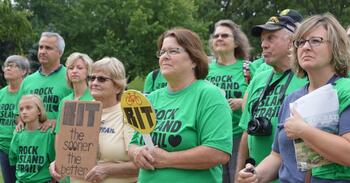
x: 139, y: 114
x: 77, y: 141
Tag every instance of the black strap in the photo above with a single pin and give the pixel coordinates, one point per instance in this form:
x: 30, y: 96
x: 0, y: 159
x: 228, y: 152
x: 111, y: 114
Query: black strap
x: 268, y: 88
x: 154, y: 76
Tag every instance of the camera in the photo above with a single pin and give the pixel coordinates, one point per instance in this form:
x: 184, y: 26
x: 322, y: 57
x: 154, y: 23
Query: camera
x: 259, y: 126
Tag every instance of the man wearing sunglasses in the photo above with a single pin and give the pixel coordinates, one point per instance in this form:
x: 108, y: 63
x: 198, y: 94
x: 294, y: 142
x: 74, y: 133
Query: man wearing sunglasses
x: 49, y: 82
x: 268, y: 88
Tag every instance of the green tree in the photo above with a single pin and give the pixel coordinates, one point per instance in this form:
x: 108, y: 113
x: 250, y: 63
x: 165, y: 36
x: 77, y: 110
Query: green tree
x: 127, y: 30
x: 15, y: 32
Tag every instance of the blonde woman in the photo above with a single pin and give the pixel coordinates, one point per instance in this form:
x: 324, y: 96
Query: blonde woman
x: 107, y: 83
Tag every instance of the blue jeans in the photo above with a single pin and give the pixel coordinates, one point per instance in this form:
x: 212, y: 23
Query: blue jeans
x: 8, y: 172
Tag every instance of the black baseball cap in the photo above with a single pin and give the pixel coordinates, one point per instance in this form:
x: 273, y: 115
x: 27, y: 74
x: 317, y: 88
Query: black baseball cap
x: 286, y: 19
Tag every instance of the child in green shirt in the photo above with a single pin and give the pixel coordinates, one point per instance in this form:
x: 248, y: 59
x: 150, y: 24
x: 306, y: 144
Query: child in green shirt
x: 31, y: 150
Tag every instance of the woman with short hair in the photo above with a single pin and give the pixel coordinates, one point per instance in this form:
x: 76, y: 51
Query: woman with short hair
x: 15, y: 68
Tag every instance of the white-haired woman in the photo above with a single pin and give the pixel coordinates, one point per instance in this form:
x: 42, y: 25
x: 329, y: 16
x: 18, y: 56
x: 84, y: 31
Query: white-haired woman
x: 15, y: 69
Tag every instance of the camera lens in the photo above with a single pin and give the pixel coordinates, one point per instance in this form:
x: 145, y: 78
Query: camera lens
x: 259, y: 126
x: 253, y: 126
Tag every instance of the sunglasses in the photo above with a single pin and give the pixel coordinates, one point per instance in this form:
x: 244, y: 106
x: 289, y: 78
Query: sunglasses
x: 223, y: 36
x: 100, y: 79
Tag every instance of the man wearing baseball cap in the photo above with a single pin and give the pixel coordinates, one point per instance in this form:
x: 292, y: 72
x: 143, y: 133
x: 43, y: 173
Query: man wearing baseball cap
x: 268, y: 88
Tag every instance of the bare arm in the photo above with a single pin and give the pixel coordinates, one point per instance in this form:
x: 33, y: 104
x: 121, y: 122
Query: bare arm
x: 296, y: 127
x: 109, y: 169
x: 265, y: 172
x: 325, y: 140
x: 243, y: 153
x: 200, y: 157
x: 235, y: 103
x: 245, y: 97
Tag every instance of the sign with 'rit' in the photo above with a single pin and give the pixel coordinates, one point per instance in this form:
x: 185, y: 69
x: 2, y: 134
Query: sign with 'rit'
x: 139, y: 113
x: 77, y: 145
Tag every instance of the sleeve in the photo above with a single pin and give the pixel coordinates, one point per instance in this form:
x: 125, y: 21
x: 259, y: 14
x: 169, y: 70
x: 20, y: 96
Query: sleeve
x: 58, y: 119
x: 128, y: 134
x: 147, y: 88
x: 214, y: 122
x: 51, y: 146
x: 13, y: 152
x: 136, y: 139
x: 281, y: 118
x: 344, y: 125
x: 19, y: 96
x: 246, y: 116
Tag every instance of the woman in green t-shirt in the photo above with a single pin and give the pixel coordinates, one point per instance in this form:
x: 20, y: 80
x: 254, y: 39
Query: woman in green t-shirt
x: 230, y: 72
x: 15, y: 69
x: 193, y: 134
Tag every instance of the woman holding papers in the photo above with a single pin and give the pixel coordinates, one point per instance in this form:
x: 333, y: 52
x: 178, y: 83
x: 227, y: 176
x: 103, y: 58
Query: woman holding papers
x: 107, y: 83
x: 193, y: 134
x: 321, y: 53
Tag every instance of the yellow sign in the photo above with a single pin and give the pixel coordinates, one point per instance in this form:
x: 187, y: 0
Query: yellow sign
x: 138, y: 111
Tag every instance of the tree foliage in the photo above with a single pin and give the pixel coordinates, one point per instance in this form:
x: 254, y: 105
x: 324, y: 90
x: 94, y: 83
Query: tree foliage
x: 15, y: 30
x: 128, y: 30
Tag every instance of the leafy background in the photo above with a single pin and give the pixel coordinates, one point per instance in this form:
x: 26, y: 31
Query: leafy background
x: 128, y: 29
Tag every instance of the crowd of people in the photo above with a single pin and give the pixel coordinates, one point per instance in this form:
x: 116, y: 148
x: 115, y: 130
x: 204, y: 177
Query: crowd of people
x: 224, y: 119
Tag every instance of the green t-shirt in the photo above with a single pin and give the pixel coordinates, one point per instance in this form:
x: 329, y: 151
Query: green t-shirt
x: 152, y: 85
x: 197, y: 115
x: 85, y: 96
x: 230, y: 78
x: 7, y: 118
x: 32, y: 152
x: 335, y: 171
x: 257, y: 66
x: 260, y: 146
x: 52, y: 89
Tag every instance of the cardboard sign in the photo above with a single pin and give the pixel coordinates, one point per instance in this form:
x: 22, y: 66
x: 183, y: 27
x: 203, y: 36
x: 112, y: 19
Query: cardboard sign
x: 77, y: 143
x: 139, y: 113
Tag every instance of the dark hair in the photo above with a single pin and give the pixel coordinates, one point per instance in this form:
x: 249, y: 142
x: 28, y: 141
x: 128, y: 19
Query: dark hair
x: 191, y: 42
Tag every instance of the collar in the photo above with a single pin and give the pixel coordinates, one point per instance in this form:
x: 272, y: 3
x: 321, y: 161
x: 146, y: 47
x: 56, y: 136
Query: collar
x: 54, y: 71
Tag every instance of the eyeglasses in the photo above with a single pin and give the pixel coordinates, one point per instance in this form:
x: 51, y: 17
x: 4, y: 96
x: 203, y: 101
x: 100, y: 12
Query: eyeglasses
x: 11, y: 66
x: 223, y: 36
x: 100, y: 79
x: 314, y: 41
x: 171, y: 51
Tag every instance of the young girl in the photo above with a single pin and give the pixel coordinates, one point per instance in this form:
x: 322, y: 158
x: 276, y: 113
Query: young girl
x: 31, y: 150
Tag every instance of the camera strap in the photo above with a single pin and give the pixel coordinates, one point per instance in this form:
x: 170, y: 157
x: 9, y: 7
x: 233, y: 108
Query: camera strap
x: 268, y: 88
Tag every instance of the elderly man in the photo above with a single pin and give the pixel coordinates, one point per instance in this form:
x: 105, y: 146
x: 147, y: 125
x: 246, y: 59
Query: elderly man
x: 268, y: 88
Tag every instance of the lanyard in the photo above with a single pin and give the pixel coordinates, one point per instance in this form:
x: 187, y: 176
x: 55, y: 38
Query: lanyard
x: 268, y: 88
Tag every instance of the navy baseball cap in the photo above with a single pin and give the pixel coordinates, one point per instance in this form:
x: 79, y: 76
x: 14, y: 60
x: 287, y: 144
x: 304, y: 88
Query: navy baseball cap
x: 286, y: 19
